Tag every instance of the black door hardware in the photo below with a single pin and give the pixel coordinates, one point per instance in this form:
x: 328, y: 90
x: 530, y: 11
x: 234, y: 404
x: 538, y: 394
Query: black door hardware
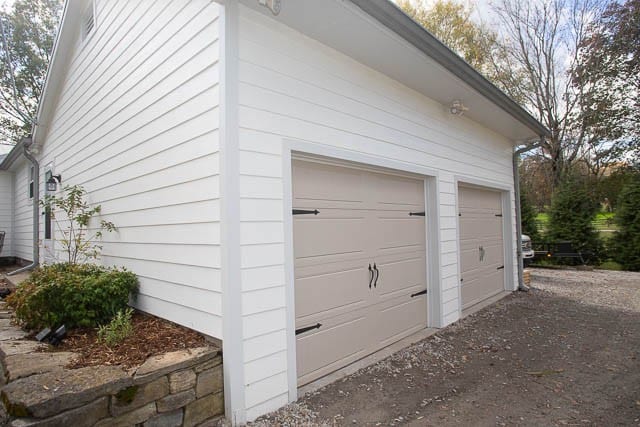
x: 375, y: 283
x: 419, y: 293
x: 371, y: 277
x: 308, y: 328
x: 303, y: 212
x: 500, y: 268
x: 416, y: 213
x: 500, y: 215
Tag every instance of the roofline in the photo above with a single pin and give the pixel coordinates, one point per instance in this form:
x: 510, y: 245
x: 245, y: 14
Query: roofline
x: 52, y: 72
x: 392, y: 17
x: 13, y: 155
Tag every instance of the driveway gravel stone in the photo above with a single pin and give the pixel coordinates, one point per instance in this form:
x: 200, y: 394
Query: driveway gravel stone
x: 565, y: 353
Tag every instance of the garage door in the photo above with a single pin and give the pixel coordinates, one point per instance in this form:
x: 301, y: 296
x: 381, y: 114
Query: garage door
x: 481, y: 244
x: 360, y: 279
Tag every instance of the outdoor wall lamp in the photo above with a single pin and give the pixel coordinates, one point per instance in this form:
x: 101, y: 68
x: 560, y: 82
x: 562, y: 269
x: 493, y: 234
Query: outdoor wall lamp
x: 52, y: 183
x: 457, y: 108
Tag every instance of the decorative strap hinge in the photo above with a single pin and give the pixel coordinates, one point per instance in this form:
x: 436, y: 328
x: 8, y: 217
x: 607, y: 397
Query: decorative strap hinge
x: 305, y: 212
x: 500, y: 268
x: 419, y: 293
x: 416, y: 213
x: 308, y: 328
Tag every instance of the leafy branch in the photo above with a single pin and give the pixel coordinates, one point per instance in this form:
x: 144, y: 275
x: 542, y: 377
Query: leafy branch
x: 77, y: 239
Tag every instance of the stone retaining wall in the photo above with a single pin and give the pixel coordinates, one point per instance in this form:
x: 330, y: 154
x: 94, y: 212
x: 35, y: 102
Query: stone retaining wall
x: 182, y: 388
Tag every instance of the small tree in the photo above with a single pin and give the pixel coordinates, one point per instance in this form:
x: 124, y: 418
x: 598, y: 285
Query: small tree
x: 78, y: 239
x: 573, y: 209
x: 528, y: 213
x: 627, y: 239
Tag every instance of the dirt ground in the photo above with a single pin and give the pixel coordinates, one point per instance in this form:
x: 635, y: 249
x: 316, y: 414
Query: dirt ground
x: 565, y: 353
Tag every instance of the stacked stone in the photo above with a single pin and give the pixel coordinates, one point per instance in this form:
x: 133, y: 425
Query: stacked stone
x: 182, y: 388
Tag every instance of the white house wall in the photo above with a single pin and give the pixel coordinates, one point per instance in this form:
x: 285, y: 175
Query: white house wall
x: 22, y: 240
x: 6, y: 212
x: 294, y: 88
x: 136, y: 124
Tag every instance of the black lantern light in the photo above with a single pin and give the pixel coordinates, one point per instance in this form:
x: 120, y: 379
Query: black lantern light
x: 52, y: 183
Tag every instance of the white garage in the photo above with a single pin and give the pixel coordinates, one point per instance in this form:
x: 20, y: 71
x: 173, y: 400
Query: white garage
x: 360, y: 263
x: 305, y: 181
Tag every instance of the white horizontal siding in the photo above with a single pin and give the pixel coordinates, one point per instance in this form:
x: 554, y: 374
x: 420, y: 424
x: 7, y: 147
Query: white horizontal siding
x: 292, y: 87
x: 136, y: 124
x: 6, y: 212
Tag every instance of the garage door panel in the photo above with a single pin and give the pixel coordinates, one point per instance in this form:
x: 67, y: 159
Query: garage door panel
x: 338, y: 341
x: 479, y: 226
x: 483, y: 287
x: 395, y: 192
x: 479, y: 199
x: 400, y: 232
x: 332, y: 293
x: 332, y: 232
x: 320, y: 185
x: 401, y: 276
x: 399, y: 317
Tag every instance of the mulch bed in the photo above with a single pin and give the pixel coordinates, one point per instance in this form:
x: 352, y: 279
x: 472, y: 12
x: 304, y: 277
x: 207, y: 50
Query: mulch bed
x: 151, y: 336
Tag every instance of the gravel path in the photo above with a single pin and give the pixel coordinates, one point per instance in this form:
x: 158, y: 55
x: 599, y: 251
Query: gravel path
x: 565, y: 353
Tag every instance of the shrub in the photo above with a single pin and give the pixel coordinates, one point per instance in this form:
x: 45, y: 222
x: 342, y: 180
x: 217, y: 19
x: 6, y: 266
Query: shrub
x: 626, y: 242
x: 528, y: 214
x: 75, y: 295
x: 570, y: 218
x: 119, y: 328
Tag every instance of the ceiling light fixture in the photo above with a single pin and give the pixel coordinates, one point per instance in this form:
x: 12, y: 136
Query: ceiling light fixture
x: 457, y: 108
x: 274, y: 5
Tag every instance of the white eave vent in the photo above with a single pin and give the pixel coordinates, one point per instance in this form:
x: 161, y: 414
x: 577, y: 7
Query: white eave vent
x: 88, y: 20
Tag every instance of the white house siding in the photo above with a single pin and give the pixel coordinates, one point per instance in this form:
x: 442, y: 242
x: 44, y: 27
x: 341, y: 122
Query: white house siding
x: 22, y: 240
x: 6, y: 212
x: 296, y: 88
x: 136, y: 124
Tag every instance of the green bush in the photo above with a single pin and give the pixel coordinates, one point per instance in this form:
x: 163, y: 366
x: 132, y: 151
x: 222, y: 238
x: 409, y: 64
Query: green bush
x: 76, y: 295
x: 119, y: 328
x: 626, y: 241
x: 528, y: 214
x: 571, y: 216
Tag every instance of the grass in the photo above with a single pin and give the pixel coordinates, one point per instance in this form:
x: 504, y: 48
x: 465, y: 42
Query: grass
x: 604, y: 223
x: 609, y: 265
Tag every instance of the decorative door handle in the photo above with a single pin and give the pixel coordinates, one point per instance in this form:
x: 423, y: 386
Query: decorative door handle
x: 375, y: 283
x: 371, y: 276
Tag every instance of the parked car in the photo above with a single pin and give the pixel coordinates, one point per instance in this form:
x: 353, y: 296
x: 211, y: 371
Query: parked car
x: 527, y: 250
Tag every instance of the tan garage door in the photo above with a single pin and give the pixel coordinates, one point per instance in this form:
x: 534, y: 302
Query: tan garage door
x: 481, y: 244
x: 359, y: 263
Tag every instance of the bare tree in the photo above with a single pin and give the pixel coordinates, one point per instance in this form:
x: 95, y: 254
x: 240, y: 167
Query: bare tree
x: 540, y: 40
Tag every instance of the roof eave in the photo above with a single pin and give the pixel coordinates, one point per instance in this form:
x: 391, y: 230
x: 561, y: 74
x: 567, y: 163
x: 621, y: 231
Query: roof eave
x: 391, y: 16
x: 12, y: 156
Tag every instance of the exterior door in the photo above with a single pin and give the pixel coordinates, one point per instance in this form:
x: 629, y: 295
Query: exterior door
x: 481, y: 244
x: 359, y: 258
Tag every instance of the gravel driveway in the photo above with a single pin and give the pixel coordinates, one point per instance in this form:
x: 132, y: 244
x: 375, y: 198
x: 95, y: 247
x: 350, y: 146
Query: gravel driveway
x: 566, y: 353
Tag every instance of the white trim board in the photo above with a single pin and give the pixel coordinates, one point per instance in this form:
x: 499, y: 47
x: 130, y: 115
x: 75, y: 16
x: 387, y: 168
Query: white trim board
x: 232, y: 335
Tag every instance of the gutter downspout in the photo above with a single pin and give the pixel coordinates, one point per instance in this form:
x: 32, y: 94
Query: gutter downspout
x: 36, y: 210
x: 516, y: 186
